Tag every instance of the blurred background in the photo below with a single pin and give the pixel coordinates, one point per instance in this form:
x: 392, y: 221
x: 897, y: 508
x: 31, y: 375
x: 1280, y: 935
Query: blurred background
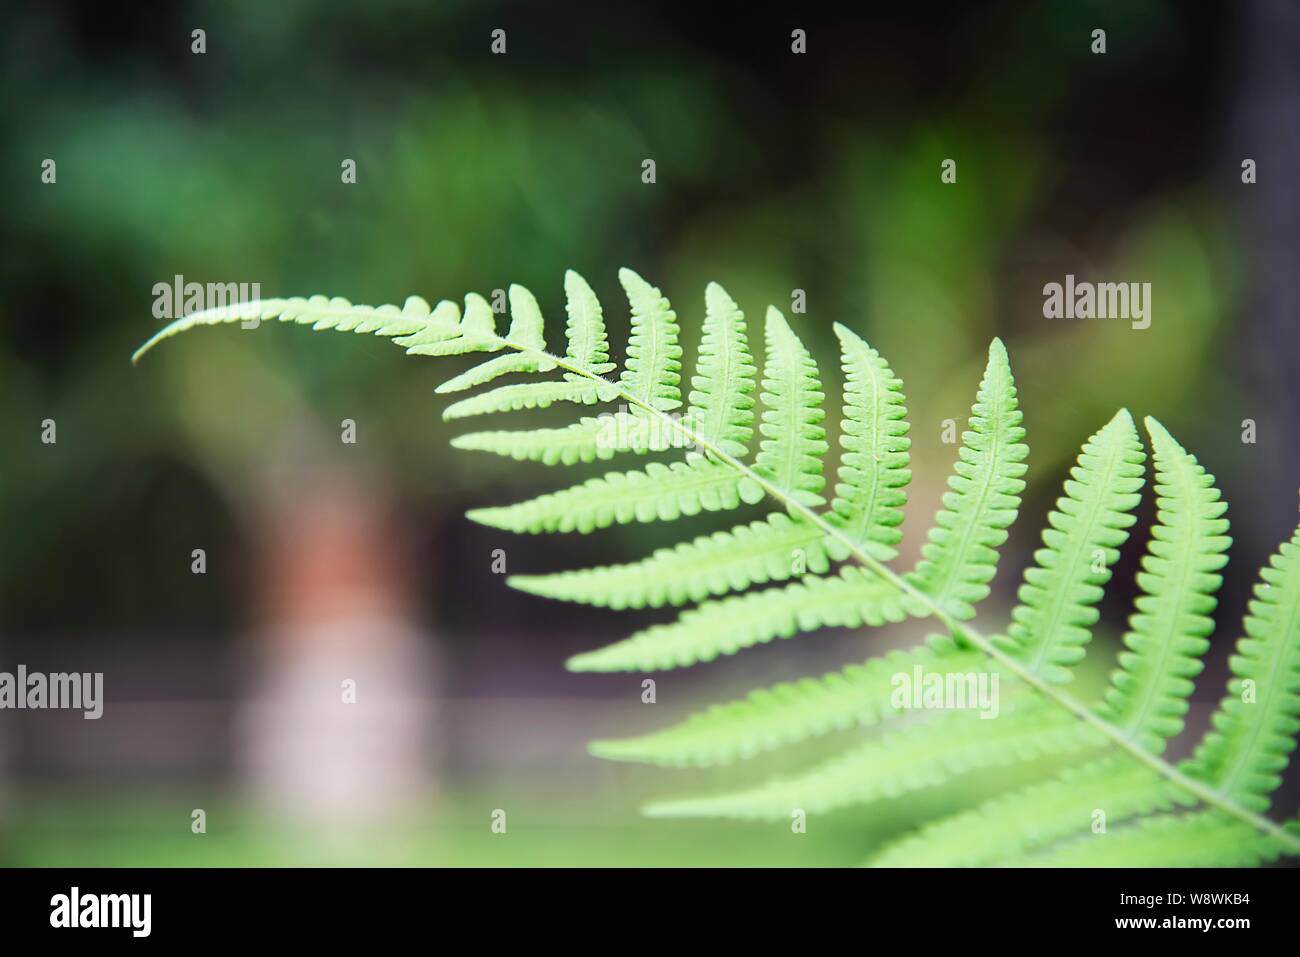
x: 329, y: 562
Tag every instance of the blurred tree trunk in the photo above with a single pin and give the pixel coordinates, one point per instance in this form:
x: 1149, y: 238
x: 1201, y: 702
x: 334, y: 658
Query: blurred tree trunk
x: 339, y: 727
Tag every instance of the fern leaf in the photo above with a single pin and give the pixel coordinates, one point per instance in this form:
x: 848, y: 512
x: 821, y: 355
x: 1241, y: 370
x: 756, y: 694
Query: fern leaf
x: 443, y: 324
x: 530, y: 395
x: 588, y: 344
x: 590, y: 438
x: 476, y: 333
x: 579, y: 442
x: 414, y: 318
x: 791, y: 454
x: 527, y: 327
x: 763, y: 551
x: 722, y: 403
x: 724, y: 627
x: 653, y: 355
x: 869, y: 497
x: 1199, y: 839
x: 1052, y: 624
x: 960, y: 558
x: 1167, y: 634
x: 339, y: 315
x: 660, y: 493
x: 487, y: 371
x: 1033, y: 817
x: 857, y: 696
x: 525, y: 333
x: 1253, y: 731
x: 914, y: 758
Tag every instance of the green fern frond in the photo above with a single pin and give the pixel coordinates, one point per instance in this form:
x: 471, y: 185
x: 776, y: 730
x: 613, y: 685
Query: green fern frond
x: 588, y: 344
x: 1052, y: 623
x: 529, y: 395
x: 766, y: 550
x: 791, y: 452
x: 897, y: 763
x: 1147, y: 696
x: 525, y: 329
x: 580, y: 442
x: 487, y: 371
x: 1199, y: 839
x: 721, y: 410
x: 588, y: 439
x: 1168, y: 633
x: 475, y: 333
x: 653, y: 355
x: 867, y: 506
x: 870, y: 496
x: 1208, y: 810
x: 847, y: 600
x: 1253, y: 732
x: 960, y: 558
x: 857, y: 696
x: 1035, y: 816
x: 321, y: 312
x: 658, y: 493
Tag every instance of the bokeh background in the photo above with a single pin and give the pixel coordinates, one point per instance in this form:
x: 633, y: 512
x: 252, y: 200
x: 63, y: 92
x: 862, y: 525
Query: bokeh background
x: 775, y: 172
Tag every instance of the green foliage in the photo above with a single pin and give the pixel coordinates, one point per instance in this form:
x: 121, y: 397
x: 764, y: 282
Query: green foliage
x: 1254, y: 733
x: 961, y: 558
x: 859, y: 695
x: 834, y: 563
x: 1050, y: 627
x: 1170, y: 630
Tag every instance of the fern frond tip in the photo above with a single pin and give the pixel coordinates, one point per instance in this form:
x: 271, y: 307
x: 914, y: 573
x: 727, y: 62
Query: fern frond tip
x: 631, y: 279
x: 149, y: 344
x: 1123, y: 417
x: 585, y: 662
x: 166, y: 332
x: 610, y: 749
x: 844, y: 333
x: 489, y: 516
x: 538, y: 585
x: 1157, y: 431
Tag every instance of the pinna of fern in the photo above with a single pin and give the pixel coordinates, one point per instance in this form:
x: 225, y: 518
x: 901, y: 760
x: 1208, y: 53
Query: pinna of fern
x: 809, y: 563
